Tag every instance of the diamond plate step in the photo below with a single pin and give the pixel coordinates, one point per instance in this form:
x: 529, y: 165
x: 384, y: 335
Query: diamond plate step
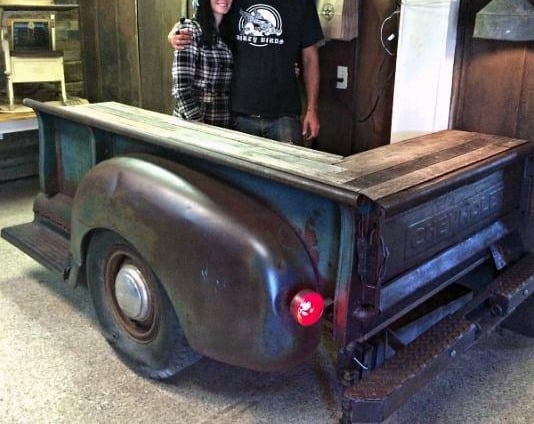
x: 515, y: 285
x: 390, y: 386
x: 43, y: 244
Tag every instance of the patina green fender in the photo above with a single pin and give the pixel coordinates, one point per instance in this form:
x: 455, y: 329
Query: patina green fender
x: 228, y: 263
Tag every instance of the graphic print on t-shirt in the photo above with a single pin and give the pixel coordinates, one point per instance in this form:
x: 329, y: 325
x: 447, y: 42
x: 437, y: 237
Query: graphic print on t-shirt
x: 260, y: 25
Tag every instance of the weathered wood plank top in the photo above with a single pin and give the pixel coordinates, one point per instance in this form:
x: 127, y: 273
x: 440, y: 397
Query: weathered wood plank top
x: 168, y: 122
x: 390, y: 169
x: 377, y: 173
x: 254, y: 149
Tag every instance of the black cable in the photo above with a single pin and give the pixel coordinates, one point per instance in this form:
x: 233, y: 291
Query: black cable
x: 380, y: 91
x: 386, y: 53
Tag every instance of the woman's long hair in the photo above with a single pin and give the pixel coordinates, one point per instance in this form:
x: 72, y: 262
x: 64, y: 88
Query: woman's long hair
x: 206, y: 19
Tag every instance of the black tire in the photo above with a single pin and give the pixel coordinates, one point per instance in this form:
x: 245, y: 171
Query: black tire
x: 155, y: 346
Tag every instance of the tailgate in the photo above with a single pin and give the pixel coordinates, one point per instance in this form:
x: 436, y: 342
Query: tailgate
x: 441, y: 203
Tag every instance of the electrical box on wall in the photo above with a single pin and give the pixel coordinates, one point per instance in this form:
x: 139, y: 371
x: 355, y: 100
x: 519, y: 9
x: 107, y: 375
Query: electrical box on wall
x: 339, y: 19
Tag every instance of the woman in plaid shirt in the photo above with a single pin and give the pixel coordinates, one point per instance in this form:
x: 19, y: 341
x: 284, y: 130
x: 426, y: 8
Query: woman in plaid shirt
x: 202, y: 72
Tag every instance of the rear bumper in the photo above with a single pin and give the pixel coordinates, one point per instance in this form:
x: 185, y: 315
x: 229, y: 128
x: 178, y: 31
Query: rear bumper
x: 390, y: 386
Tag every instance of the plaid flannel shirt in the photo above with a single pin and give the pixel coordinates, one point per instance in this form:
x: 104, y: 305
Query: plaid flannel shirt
x: 201, y: 79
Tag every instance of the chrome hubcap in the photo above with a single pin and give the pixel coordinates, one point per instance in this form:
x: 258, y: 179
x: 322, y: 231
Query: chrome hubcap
x: 132, y: 294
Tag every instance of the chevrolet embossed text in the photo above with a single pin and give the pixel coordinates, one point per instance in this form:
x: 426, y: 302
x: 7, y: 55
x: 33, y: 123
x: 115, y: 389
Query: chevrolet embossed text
x: 456, y: 219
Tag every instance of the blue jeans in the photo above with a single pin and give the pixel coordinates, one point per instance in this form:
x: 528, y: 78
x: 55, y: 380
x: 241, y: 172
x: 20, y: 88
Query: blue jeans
x: 286, y: 129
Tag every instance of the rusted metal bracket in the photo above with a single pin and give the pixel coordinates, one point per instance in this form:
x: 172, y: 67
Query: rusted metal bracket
x: 372, y: 256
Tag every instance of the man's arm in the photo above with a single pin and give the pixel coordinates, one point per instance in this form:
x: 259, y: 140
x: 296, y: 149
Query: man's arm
x: 310, y: 65
x: 179, y: 37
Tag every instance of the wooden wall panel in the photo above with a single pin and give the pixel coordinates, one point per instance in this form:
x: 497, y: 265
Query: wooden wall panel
x: 494, y: 82
x: 127, y: 52
x: 525, y: 122
x: 90, y: 58
x: 111, y: 50
x: 337, y: 108
x: 493, y: 87
x: 371, y: 74
x: 376, y: 77
x: 108, y: 50
x: 155, y: 20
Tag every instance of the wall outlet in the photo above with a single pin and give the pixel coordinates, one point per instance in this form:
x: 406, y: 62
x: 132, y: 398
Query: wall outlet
x: 342, y: 77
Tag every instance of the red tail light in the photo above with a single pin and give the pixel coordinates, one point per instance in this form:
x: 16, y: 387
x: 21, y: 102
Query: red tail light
x: 307, y: 307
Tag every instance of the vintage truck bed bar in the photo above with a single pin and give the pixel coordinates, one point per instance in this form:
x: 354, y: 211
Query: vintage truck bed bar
x: 422, y: 246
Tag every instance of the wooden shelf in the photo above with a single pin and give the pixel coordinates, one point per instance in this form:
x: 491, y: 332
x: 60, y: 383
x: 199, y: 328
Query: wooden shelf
x: 19, y: 5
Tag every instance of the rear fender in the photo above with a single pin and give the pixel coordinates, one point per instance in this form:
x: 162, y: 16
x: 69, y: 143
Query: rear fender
x: 228, y: 263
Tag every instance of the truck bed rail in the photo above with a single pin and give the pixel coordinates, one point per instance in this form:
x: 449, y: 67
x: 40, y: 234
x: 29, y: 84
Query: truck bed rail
x: 377, y: 174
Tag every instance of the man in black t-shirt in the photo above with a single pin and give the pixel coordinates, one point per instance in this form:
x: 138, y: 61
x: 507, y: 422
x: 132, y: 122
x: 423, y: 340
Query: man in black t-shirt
x: 268, y: 38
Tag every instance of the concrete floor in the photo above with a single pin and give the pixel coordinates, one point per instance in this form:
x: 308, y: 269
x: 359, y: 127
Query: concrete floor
x: 56, y: 368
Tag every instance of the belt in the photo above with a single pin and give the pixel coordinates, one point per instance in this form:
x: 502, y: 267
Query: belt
x: 259, y: 115
x: 250, y: 115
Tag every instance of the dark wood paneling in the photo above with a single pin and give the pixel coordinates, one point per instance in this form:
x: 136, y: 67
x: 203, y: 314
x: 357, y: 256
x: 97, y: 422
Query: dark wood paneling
x: 129, y: 81
x: 494, y: 84
x: 111, y: 50
x: 375, y: 78
x: 525, y: 122
x: 125, y: 51
x: 337, y: 107
x: 155, y: 20
x: 90, y: 47
x: 108, y: 51
x: 493, y: 87
x: 344, y: 129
